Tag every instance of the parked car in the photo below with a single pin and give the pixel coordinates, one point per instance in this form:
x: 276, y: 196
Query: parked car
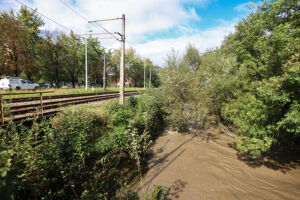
x: 95, y: 85
x: 46, y: 85
x: 10, y: 83
x: 69, y: 86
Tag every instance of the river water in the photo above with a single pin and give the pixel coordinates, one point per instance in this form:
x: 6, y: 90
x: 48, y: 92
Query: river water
x: 204, y: 165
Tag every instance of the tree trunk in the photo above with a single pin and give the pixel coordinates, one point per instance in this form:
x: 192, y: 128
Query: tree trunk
x: 16, y: 71
x: 57, y: 75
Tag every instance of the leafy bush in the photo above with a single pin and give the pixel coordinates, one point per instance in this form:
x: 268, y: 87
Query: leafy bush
x: 250, y: 114
x: 55, y: 159
x: 140, y: 119
x: 197, y: 96
x: 252, y: 81
x: 266, y: 110
x: 78, y: 154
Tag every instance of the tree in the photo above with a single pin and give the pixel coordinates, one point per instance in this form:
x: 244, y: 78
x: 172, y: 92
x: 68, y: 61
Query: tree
x: 32, y: 22
x: 252, y: 81
x: 51, y: 57
x: 114, y: 67
x: 134, y: 68
x: 95, y: 61
x: 266, y: 110
x: 155, y: 70
x: 179, y: 92
x: 14, y: 45
x: 73, y: 45
x: 192, y: 58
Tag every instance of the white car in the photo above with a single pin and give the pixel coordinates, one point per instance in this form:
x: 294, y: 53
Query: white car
x: 17, y: 83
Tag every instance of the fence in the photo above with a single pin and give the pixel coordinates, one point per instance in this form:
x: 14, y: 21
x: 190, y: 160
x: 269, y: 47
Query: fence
x: 2, y: 102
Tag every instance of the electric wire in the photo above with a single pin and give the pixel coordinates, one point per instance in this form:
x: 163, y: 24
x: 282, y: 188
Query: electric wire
x: 77, y: 13
x: 22, y: 3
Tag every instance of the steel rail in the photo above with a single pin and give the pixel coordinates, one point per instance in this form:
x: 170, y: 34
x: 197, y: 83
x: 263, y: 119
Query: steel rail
x: 22, y: 111
x: 26, y: 99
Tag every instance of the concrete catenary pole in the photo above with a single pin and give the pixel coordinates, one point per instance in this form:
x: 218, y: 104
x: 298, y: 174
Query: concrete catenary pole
x: 122, y: 62
x: 86, y: 76
x: 104, y: 74
x: 86, y: 71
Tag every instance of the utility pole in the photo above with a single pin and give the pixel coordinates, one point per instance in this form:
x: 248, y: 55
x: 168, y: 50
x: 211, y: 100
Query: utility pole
x: 104, y: 74
x: 150, y: 78
x: 122, y: 61
x: 144, y: 74
x: 86, y: 72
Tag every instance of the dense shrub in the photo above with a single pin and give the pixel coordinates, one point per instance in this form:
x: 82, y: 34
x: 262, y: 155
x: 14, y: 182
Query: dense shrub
x: 267, y: 45
x: 190, y: 96
x: 55, y: 160
x: 142, y: 120
x: 252, y: 81
x: 79, y: 154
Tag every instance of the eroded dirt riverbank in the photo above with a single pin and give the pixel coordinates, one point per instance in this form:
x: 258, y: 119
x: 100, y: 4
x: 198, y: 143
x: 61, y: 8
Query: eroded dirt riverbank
x: 204, y: 165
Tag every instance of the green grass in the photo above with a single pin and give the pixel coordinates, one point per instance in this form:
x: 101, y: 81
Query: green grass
x: 61, y: 91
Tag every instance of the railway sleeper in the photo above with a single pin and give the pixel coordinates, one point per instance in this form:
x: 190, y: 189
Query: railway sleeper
x: 57, y: 105
x: 26, y: 99
x: 51, y: 105
x: 37, y: 103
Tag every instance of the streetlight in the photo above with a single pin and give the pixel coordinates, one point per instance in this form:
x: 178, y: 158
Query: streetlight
x: 86, y: 72
x: 104, y: 73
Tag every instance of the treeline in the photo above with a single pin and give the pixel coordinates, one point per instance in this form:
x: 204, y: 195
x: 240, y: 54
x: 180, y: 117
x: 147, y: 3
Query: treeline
x: 251, y: 82
x: 55, y: 57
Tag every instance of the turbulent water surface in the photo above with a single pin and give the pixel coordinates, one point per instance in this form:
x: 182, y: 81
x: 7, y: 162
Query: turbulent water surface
x: 204, y: 165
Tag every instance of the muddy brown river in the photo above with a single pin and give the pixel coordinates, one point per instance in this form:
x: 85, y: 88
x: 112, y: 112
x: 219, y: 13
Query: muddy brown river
x: 204, y: 165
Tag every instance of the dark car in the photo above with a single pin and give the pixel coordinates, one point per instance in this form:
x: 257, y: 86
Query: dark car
x: 95, y: 85
x: 46, y: 85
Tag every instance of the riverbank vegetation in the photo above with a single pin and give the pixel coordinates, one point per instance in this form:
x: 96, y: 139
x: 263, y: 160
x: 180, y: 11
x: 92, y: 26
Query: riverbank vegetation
x: 82, y: 153
x: 251, y: 82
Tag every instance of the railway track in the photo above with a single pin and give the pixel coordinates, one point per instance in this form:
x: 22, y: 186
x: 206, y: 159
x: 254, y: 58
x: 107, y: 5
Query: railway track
x: 22, y: 108
x: 28, y: 99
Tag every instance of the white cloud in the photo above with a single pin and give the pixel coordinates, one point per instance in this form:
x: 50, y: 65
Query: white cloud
x: 244, y: 7
x: 8, y: 4
x: 251, y: 6
x: 142, y: 17
x: 158, y: 49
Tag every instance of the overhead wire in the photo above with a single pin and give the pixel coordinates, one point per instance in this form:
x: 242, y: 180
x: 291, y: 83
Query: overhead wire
x: 107, y: 31
x: 22, y: 3
x: 77, y: 13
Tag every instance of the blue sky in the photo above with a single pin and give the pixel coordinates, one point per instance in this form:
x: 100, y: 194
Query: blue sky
x: 214, y: 13
x: 153, y: 27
